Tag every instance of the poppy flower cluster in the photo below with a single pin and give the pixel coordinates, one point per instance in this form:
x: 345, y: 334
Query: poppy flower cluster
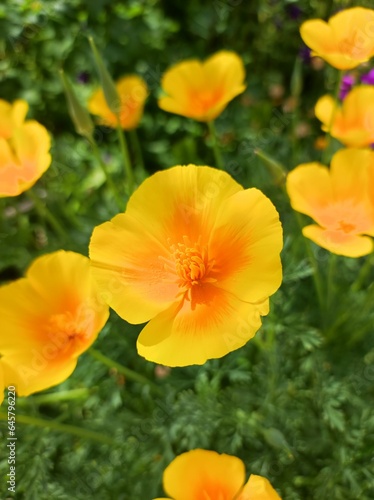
x: 24, y: 149
x: 208, y: 475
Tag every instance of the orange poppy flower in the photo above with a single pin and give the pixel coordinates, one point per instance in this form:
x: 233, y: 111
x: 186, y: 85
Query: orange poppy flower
x: 204, y: 474
x: 345, y: 41
x: 197, y: 255
x: 202, y: 90
x: 24, y: 149
x: 353, y: 120
x: 133, y: 92
x: 48, y: 319
x: 338, y: 200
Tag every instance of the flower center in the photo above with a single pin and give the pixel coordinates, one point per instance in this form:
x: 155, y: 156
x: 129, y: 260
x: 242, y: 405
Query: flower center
x: 65, y: 332
x: 346, y: 227
x: 190, y: 263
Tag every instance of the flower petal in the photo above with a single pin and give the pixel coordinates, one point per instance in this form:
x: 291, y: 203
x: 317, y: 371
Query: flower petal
x: 246, y: 249
x: 324, y: 110
x: 204, y: 474
x: 134, y: 283
x: 216, y: 324
x: 349, y: 173
x: 258, y: 488
x: 309, y: 188
x: 338, y: 242
x: 318, y: 36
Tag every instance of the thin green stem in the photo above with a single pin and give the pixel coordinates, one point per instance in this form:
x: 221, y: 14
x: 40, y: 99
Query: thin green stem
x: 127, y: 372
x: 137, y: 148
x: 330, y: 280
x: 316, y: 274
x: 66, y: 428
x: 276, y: 169
x: 216, y: 149
x: 364, y: 271
x: 108, y: 177
x: 44, y: 213
x: 126, y: 159
x: 55, y: 397
x: 326, y: 152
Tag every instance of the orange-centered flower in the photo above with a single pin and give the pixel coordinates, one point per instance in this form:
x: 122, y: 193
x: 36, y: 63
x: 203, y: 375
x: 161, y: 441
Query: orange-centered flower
x: 24, y: 149
x: 338, y: 200
x: 195, y: 254
x: 202, y: 90
x: 352, y: 122
x: 207, y: 475
x: 345, y: 41
x: 48, y: 319
x: 133, y: 92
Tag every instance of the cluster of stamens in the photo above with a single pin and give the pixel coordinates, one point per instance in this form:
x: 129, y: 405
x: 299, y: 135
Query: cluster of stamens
x: 190, y: 263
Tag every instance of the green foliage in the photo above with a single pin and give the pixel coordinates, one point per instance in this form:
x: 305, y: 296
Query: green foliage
x: 292, y: 403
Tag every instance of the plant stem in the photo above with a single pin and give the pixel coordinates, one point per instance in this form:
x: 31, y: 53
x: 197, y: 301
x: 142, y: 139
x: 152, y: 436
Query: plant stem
x: 66, y: 428
x: 326, y: 152
x: 216, y: 150
x: 313, y: 261
x: 108, y: 177
x: 46, y: 214
x: 330, y: 280
x: 126, y: 159
x: 127, y: 372
x: 276, y: 169
x: 364, y: 271
x: 137, y: 148
x: 56, y: 397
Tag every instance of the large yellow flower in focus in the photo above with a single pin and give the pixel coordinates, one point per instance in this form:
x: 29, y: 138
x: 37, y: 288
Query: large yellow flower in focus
x: 197, y: 256
x: 352, y: 122
x: 48, y: 319
x: 24, y: 149
x: 202, y: 90
x: 338, y: 200
x: 345, y: 41
x: 207, y: 475
x: 133, y: 92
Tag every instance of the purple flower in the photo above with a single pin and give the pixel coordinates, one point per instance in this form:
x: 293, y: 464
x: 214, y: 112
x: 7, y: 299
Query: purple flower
x: 83, y: 77
x: 304, y: 53
x: 294, y: 11
x: 368, y: 78
x: 347, y: 83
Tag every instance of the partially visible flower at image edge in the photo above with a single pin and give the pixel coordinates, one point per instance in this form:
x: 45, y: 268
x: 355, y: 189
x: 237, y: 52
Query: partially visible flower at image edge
x: 339, y: 200
x: 345, y: 41
x: 210, y: 475
x: 197, y: 256
x: 24, y: 149
x: 353, y: 120
x: 47, y: 320
x: 202, y: 89
x: 133, y: 92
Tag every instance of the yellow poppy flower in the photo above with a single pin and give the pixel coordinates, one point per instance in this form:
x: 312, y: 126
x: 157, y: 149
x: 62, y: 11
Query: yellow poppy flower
x: 197, y: 255
x: 24, y: 149
x: 204, y: 474
x: 133, y: 92
x: 353, y: 120
x: 345, y: 41
x: 48, y: 319
x: 202, y: 90
x: 338, y: 200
